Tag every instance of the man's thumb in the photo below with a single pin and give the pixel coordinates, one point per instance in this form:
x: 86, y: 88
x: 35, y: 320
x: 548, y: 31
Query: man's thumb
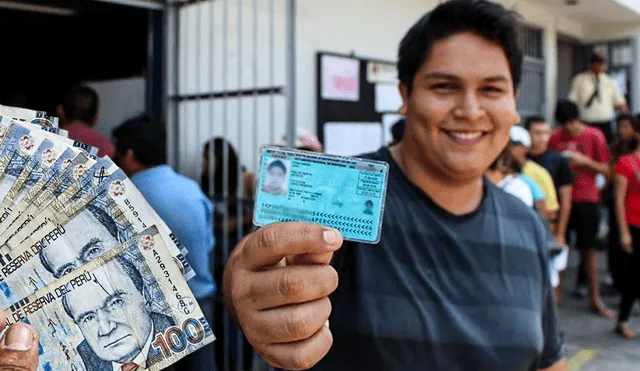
x: 19, y: 349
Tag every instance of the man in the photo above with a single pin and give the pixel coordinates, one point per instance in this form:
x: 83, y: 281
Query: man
x: 275, y: 180
x: 588, y: 154
x: 78, y: 247
x: 560, y: 170
x: 521, y: 142
x: 79, y: 112
x: 460, y: 277
x: 179, y: 201
x: 117, y: 323
x: 597, y: 97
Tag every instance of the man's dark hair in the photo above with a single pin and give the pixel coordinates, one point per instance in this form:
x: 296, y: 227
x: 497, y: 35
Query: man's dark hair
x: 145, y: 137
x: 486, y: 19
x: 533, y: 120
x: 81, y: 104
x: 277, y: 163
x: 397, y: 130
x: 129, y: 269
x: 566, y: 111
x: 597, y: 58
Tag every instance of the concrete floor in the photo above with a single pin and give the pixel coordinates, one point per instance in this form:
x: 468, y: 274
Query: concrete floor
x: 591, y: 342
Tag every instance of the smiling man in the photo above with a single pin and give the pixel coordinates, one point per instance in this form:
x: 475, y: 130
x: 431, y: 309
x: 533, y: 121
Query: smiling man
x: 460, y: 278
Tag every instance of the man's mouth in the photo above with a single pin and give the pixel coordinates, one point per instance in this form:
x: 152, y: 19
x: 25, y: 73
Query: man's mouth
x: 116, y: 342
x: 466, y: 137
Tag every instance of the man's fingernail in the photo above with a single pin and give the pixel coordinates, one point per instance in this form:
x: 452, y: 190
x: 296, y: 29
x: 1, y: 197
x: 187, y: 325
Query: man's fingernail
x: 18, y: 338
x: 330, y: 237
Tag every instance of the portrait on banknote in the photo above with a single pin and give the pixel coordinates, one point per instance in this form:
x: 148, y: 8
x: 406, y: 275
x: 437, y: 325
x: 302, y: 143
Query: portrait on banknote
x: 120, y: 321
x: 276, y: 177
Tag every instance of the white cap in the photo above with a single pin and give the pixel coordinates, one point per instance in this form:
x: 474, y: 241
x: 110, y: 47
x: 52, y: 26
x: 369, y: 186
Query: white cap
x: 520, y: 135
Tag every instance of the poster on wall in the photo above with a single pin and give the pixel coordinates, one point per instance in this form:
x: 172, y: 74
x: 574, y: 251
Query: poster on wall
x: 378, y: 72
x: 388, y: 98
x: 340, y: 78
x: 352, y: 138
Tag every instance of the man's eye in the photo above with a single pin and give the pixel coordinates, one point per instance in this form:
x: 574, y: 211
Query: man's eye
x: 91, y: 254
x: 116, y: 303
x: 67, y: 270
x: 88, y: 318
x: 443, y: 86
x: 492, y: 89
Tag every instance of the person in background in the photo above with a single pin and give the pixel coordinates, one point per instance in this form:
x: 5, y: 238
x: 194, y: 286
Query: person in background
x: 598, y: 97
x: 521, y: 142
x: 624, y: 143
x: 305, y: 141
x: 79, y: 116
x: 560, y: 170
x: 228, y: 229
x: 179, y: 201
x: 627, y: 202
x: 397, y: 132
x: 588, y: 154
x: 501, y: 173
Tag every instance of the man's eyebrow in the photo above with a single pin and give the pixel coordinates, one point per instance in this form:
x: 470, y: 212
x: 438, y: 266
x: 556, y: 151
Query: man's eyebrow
x: 448, y: 76
x: 116, y: 294
x: 92, y: 243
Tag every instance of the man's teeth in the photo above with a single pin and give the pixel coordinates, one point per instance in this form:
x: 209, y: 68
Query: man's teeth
x: 466, y: 135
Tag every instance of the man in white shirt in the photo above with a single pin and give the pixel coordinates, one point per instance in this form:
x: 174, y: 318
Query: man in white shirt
x: 598, y: 97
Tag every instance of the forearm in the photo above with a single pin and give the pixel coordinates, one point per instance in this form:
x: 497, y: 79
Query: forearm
x: 620, y: 217
x: 565, y: 210
x: 597, y: 167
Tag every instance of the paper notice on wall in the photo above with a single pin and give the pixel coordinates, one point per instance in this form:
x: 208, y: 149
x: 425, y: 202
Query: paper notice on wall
x: 388, y: 120
x: 352, y: 138
x: 340, y: 78
x: 382, y: 72
x: 388, y: 98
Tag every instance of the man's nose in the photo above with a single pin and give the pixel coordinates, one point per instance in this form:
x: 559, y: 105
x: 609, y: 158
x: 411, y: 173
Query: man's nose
x: 469, y: 107
x: 105, y: 324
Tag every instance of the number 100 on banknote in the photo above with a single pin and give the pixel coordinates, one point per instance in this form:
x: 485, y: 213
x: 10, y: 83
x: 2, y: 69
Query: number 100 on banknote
x: 344, y: 193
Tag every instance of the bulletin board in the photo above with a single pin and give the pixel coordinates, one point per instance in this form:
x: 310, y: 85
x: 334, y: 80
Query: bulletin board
x: 357, y: 102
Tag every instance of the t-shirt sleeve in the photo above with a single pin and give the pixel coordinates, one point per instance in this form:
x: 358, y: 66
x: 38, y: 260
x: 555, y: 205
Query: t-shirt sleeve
x: 538, y: 192
x: 601, y: 150
x: 623, y: 167
x: 618, y: 97
x: 565, y: 176
x: 574, y: 93
x: 553, y: 348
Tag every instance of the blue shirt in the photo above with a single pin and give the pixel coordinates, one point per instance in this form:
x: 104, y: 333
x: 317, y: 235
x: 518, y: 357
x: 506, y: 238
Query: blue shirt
x: 538, y: 193
x: 445, y: 292
x: 179, y: 201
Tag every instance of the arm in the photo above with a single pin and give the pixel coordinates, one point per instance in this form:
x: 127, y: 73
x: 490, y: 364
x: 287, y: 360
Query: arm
x: 597, y: 167
x: 564, y: 213
x: 620, y: 193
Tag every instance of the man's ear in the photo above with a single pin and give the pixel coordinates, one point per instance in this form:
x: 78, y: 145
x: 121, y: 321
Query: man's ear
x: 60, y: 112
x: 95, y: 120
x: 404, y: 93
x: 516, y: 93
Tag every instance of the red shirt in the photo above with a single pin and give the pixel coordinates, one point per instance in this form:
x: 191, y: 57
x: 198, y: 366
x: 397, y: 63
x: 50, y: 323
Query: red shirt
x: 92, y: 137
x: 591, y: 143
x: 625, y: 167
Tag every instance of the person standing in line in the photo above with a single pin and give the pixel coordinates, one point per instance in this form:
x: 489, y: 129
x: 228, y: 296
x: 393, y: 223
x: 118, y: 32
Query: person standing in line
x: 179, y: 201
x: 588, y: 154
x: 598, y: 97
x: 79, y: 113
x: 460, y: 279
x: 627, y: 202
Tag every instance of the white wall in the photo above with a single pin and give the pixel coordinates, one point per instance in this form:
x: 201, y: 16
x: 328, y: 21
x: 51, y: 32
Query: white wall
x: 120, y: 100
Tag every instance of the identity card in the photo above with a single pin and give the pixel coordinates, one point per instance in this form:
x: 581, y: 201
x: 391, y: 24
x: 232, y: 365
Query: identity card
x: 344, y: 193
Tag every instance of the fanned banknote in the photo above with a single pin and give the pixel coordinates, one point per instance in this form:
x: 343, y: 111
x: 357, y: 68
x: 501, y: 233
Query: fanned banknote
x: 128, y: 307
x: 29, y: 116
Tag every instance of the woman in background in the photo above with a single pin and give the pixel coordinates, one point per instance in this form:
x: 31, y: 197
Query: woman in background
x: 627, y: 206
x: 233, y: 213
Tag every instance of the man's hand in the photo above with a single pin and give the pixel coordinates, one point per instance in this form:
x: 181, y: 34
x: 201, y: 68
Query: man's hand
x: 19, y: 348
x: 276, y: 283
x: 577, y: 159
x: 562, y: 240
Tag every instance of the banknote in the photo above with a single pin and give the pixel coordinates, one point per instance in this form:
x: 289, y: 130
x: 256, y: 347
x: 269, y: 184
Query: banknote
x: 128, y: 307
x: 29, y: 116
x: 344, y: 193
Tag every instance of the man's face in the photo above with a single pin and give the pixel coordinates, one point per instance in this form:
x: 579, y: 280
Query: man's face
x: 80, y: 247
x: 115, y: 322
x: 275, y: 177
x: 540, y: 133
x: 625, y: 130
x: 461, y: 108
x: 519, y: 151
x: 599, y: 67
x: 573, y: 128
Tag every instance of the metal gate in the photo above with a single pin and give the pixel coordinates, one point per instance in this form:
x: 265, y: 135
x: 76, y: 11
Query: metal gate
x: 231, y: 76
x: 532, y: 87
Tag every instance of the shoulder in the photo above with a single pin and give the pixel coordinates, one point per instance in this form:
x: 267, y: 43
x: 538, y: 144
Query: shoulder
x: 514, y: 212
x: 595, y: 134
x: 382, y: 154
x: 90, y: 359
x: 509, y: 206
x: 161, y: 322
